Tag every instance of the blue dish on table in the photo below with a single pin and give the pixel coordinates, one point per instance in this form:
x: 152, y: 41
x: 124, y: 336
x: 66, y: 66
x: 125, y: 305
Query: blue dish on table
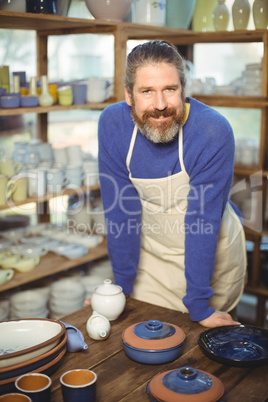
x: 236, y: 345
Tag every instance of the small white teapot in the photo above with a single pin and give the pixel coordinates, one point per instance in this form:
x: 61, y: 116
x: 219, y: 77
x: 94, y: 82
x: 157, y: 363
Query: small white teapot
x: 108, y: 300
x: 98, y: 326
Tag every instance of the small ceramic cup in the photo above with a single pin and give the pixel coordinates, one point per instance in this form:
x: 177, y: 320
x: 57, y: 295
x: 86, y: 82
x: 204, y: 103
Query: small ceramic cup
x: 36, y: 386
x: 65, y: 95
x: 10, y: 168
x: 17, y: 188
x: 15, y: 398
x: 3, y: 187
x: 79, y: 385
x: 6, y: 275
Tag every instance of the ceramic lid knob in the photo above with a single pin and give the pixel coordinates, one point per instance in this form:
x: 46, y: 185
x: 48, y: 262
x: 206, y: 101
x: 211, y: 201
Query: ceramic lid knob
x: 108, y: 288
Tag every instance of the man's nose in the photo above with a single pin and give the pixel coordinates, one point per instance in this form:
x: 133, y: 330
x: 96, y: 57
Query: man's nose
x: 160, y: 102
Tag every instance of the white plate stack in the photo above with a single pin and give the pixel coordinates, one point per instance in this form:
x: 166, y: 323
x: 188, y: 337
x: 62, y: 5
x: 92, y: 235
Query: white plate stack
x: 28, y: 304
x: 65, y: 297
x: 4, y: 310
x: 96, y: 274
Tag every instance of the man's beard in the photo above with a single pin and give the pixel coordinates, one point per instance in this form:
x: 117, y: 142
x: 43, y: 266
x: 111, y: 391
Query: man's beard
x: 160, y: 132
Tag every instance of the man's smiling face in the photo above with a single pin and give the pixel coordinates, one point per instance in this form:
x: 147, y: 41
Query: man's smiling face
x: 157, y: 103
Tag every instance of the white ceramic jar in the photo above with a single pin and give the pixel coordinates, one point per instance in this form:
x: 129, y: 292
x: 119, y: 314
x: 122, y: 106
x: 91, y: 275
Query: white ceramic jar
x: 108, y: 300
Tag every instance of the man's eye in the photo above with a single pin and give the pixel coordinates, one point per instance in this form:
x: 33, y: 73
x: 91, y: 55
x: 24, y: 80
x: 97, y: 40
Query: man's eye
x: 146, y: 91
x: 170, y: 89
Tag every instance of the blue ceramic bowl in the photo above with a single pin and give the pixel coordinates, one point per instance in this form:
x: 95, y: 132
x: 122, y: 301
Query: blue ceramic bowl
x: 9, y: 100
x: 29, y: 101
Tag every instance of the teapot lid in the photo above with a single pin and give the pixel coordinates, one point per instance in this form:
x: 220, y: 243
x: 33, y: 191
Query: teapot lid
x: 185, y: 384
x: 153, y: 334
x: 108, y: 288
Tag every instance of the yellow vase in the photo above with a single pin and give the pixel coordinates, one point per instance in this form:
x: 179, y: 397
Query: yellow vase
x: 202, y: 19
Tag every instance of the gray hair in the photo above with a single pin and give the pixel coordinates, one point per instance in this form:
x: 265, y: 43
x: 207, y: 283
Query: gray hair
x: 155, y: 51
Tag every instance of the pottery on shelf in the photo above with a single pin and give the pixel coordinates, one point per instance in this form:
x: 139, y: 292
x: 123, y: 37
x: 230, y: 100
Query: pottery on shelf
x: 240, y: 14
x: 179, y: 13
x: 260, y: 14
x: 45, y: 99
x: 202, y: 17
x: 220, y: 16
x: 41, y: 6
x: 149, y: 12
x: 114, y: 10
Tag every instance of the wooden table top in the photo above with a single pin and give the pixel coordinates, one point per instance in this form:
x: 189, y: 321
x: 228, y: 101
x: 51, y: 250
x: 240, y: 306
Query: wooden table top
x: 122, y: 379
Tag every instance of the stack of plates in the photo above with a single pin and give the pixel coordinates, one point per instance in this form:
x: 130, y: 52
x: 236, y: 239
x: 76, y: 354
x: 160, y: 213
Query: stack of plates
x: 65, y: 297
x: 28, y: 304
x: 3, y: 313
x: 253, y: 79
x: 96, y: 274
x: 31, y: 345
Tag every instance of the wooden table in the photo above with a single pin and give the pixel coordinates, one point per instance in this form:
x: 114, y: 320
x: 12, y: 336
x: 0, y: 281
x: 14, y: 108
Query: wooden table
x: 122, y: 379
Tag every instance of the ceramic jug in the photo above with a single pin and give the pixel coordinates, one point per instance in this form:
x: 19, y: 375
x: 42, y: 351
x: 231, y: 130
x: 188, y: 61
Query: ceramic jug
x: 76, y: 340
x: 240, y: 13
x: 98, y: 327
x: 260, y: 14
x: 220, y: 16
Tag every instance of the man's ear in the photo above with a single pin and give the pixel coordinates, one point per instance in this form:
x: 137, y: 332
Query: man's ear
x: 127, y: 97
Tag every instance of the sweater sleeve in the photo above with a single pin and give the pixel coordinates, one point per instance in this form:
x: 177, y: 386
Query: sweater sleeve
x: 210, y: 182
x: 120, y: 200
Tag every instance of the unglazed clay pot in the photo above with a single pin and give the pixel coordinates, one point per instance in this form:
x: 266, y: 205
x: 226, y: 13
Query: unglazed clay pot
x: 153, y: 342
x: 185, y: 384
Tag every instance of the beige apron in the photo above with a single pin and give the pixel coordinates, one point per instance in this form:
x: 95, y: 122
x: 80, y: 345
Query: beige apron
x: 160, y: 277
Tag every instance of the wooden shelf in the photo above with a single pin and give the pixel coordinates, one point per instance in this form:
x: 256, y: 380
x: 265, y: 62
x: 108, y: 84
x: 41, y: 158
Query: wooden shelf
x: 54, y: 108
x: 247, y: 102
x: 52, y: 264
x: 48, y: 196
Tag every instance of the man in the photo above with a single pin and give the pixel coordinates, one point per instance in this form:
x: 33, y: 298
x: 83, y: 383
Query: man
x: 166, y: 167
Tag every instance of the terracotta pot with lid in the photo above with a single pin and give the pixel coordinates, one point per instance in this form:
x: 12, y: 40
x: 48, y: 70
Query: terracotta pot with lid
x: 153, y: 342
x: 185, y: 384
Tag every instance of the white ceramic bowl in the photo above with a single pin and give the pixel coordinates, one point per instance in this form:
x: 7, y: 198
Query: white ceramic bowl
x: 21, y: 340
x: 114, y: 10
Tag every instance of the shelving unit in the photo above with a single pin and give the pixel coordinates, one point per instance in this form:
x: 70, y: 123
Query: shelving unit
x: 47, y: 25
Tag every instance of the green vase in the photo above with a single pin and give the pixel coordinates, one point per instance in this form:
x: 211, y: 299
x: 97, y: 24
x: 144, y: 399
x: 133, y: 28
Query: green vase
x: 179, y: 13
x: 220, y: 16
x: 202, y: 18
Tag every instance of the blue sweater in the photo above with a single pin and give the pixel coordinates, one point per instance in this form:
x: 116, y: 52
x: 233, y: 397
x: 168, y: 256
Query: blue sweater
x: 208, y: 154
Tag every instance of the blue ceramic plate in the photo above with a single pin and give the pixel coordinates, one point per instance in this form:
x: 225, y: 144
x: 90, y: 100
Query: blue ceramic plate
x: 236, y: 345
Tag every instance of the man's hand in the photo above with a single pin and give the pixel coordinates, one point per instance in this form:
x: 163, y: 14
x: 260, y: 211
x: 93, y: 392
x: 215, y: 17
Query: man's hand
x: 217, y: 319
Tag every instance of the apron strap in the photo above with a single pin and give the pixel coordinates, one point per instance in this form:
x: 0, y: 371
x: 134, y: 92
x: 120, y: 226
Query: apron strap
x: 180, y: 145
x: 131, y: 146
